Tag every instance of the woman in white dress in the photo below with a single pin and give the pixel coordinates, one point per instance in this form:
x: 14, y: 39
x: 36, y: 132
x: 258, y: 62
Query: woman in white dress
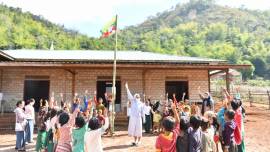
x: 136, y: 117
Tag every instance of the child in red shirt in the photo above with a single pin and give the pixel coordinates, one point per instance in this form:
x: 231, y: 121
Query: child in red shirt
x: 166, y: 142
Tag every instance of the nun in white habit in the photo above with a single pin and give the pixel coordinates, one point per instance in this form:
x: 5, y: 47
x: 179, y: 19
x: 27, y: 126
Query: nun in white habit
x: 136, y: 117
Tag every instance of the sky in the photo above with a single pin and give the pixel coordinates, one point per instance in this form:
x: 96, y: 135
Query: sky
x: 89, y: 16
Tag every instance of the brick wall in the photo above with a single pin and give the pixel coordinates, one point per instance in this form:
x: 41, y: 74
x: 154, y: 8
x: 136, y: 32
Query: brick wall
x: 13, y: 82
x: 61, y: 81
x: 155, y: 81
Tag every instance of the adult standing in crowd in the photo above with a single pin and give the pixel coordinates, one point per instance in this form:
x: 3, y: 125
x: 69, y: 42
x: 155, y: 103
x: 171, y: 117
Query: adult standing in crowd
x: 207, y: 101
x: 136, y: 117
x: 30, y: 117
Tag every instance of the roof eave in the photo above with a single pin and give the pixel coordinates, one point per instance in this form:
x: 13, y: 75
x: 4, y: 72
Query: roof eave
x: 6, y: 56
x: 124, y: 61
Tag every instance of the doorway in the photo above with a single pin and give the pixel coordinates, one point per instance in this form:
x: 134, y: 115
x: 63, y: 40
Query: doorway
x: 37, y: 89
x: 106, y: 87
x: 177, y: 87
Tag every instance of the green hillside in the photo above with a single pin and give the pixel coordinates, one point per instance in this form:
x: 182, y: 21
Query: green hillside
x: 202, y: 28
x: 25, y: 30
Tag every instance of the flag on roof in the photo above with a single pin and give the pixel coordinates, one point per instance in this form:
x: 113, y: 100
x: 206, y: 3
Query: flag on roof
x: 109, y: 28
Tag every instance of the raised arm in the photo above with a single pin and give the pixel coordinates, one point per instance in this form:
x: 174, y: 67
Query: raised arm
x: 95, y: 98
x: 142, y: 113
x: 238, y: 95
x: 200, y: 93
x: 183, y: 96
x: 62, y: 100
x: 130, y: 96
x: 176, y: 115
x: 227, y: 95
x: 85, y: 101
x: 71, y: 121
x: 174, y: 99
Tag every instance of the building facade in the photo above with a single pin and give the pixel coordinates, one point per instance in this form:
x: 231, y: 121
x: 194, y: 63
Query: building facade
x: 39, y: 74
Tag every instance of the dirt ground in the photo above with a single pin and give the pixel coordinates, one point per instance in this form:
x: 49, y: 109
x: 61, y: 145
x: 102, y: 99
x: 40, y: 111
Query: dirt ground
x: 257, y: 138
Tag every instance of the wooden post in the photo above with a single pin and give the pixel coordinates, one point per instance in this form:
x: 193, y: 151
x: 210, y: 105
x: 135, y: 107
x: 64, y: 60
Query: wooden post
x: 227, y: 80
x: 268, y: 93
x: 209, y: 81
x: 250, y: 98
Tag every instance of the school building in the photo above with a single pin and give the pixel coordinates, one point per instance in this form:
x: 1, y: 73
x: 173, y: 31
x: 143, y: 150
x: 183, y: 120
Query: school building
x: 41, y: 74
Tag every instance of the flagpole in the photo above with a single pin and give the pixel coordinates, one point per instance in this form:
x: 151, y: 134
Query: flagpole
x: 114, y: 77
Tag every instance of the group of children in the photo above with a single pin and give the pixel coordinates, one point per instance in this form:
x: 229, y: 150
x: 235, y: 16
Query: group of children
x: 200, y: 129
x: 182, y: 126
x: 65, y: 128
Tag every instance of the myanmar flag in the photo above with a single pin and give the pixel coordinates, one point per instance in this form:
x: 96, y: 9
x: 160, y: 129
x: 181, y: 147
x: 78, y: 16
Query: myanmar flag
x: 109, y: 28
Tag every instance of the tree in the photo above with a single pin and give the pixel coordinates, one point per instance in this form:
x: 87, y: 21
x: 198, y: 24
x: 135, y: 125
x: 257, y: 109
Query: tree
x: 247, y: 73
x: 260, y: 66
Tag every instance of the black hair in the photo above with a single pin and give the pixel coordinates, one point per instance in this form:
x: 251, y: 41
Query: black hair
x: 235, y: 104
x: 32, y: 100
x: 79, y: 122
x: 18, y: 103
x: 62, y: 103
x: 215, y: 123
x: 94, y: 123
x: 205, y: 124
x: 63, y: 118
x: 168, y: 123
x: 27, y: 102
x: 171, y: 112
x: 184, y: 123
x: 156, y: 106
x: 47, y: 116
x: 230, y: 114
x: 53, y: 113
x: 195, y: 121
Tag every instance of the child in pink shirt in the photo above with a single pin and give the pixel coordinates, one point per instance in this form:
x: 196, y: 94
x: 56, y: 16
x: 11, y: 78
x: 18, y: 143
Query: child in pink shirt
x: 66, y: 123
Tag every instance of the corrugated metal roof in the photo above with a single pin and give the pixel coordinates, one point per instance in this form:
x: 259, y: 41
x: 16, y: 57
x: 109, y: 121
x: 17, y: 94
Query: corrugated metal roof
x: 104, y: 55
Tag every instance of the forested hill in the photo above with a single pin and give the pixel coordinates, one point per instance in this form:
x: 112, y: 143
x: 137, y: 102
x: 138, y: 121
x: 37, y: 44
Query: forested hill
x: 24, y: 30
x: 202, y: 28
x: 197, y: 28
